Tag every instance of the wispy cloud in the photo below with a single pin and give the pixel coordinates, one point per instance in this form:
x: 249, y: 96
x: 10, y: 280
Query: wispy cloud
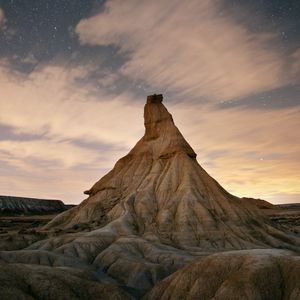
x: 59, y: 154
x: 189, y: 48
x: 63, y: 118
x: 53, y: 102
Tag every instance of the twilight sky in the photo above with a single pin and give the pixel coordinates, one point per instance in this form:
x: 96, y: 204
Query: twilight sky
x: 74, y: 76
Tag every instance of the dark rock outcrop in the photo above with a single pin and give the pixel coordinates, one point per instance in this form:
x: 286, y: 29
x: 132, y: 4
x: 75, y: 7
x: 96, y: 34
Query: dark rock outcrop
x: 20, y: 205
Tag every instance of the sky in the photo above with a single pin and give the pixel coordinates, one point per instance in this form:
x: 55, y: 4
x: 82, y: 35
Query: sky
x: 74, y: 76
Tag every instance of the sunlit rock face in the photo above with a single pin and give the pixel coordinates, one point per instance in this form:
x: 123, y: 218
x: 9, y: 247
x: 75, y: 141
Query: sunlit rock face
x: 156, y: 212
x: 160, y: 192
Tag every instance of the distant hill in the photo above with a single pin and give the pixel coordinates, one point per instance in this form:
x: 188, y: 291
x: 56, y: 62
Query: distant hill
x: 21, y: 205
x: 262, y: 204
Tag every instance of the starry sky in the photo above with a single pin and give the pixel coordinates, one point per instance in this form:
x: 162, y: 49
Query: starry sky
x: 74, y: 76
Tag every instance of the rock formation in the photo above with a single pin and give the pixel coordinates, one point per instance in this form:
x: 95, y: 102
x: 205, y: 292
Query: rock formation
x: 22, y: 205
x: 154, y: 213
x: 159, y: 192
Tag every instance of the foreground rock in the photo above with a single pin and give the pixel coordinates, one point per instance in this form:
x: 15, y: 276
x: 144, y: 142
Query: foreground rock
x: 156, y: 212
x: 36, y: 282
x: 235, y: 275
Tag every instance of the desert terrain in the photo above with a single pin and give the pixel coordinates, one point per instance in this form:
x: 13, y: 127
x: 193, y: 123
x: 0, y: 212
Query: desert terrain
x: 157, y: 226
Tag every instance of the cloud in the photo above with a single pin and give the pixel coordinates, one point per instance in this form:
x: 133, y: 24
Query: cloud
x: 52, y: 101
x: 69, y: 128
x: 49, y: 183
x: 190, y: 49
x: 30, y: 59
x: 63, y: 154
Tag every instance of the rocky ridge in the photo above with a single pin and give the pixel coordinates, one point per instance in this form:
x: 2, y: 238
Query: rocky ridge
x: 22, y: 205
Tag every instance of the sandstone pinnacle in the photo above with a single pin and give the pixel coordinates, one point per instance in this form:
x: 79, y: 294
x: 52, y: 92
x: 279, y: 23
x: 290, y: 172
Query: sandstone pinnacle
x: 159, y: 191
